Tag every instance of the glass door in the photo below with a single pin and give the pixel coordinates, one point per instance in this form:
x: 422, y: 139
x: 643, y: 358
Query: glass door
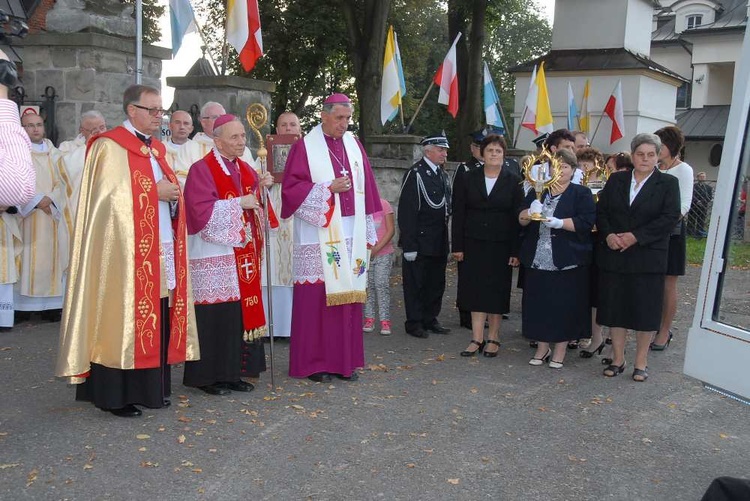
x: 718, y: 345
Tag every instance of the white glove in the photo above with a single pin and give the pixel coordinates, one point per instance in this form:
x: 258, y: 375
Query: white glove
x: 553, y: 222
x: 536, y: 207
x: 410, y: 256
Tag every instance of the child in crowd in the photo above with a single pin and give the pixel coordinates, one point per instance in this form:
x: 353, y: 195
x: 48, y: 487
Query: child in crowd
x: 378, y: 278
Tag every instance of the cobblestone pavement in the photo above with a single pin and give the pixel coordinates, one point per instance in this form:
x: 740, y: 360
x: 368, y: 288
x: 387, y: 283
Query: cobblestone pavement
x: 421, y: 423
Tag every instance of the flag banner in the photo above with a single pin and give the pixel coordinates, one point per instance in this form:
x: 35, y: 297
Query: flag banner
x: 614, y: 111
x: 492, y: 102
x: 447, y: 79
x: 529, y: 115
x: 572, y: 110
x: 243, y: 31
x: 584, y: 119
x: 400, y: 66
x: 544, y: 120
x: 390, y: 90
x: 181, y: 21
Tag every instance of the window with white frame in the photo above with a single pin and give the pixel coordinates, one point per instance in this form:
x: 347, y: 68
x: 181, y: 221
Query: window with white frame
x: 693, y: 21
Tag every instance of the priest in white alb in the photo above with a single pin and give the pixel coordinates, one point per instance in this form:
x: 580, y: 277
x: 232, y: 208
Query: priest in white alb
x: 46, y: 226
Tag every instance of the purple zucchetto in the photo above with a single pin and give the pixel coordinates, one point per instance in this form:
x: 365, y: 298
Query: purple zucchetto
x: 337, y: 98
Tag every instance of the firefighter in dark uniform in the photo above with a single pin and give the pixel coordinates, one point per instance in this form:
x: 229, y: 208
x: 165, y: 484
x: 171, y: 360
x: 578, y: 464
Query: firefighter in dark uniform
x: 423, y: 210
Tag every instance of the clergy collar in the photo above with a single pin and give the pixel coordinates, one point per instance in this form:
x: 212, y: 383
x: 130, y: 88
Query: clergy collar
x: 432, y: 165
x: 40, y: 147
x: 133, y: 130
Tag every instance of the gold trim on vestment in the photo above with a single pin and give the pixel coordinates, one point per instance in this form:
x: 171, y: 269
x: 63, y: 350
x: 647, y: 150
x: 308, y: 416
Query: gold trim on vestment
x: 339, y: 298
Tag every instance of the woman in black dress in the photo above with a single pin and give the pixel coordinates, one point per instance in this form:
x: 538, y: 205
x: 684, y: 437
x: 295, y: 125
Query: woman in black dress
x: 556, y: 254
x: 636, y: 214
x: 485, y: 239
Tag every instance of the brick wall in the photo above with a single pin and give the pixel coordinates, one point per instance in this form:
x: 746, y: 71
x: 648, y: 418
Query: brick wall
x: 38, y: 20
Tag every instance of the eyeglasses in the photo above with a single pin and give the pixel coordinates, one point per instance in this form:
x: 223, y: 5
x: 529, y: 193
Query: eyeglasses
x: 212, y: 117
x: 33, y: 126
x: 154, y: 112
x: 93, y: 130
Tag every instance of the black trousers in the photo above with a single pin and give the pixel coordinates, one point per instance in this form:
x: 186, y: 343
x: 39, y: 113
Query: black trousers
x: 109, y: 388
x: 424, y: 285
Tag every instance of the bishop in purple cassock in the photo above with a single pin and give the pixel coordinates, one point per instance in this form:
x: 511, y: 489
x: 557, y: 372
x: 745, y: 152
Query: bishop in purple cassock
x: 330, y: 190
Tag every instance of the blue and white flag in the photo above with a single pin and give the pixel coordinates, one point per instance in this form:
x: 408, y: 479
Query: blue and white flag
x: 572, y: 110
x: 182, y: 21
x: 491, y: 102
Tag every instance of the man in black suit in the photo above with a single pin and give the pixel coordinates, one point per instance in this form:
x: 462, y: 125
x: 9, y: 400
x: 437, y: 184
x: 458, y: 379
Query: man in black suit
x: 423, y: 210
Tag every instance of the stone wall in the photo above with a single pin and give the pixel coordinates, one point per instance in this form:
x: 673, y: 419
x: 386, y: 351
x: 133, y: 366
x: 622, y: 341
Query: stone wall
x: 88, y: 71
x: 234, y: 93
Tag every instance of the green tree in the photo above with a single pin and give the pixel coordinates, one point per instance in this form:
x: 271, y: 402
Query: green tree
x: 152, y: 12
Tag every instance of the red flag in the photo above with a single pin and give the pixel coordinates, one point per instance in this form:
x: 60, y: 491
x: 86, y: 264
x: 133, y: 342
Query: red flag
x: 243, y: 31
x: 613, y: 110
x: 447, y: 79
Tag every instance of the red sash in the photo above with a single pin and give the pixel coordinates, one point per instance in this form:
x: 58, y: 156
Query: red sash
x: 248, y: 258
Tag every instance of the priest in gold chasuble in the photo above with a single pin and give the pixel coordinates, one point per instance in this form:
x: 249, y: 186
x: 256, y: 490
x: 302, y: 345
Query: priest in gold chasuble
x: 128, y: 313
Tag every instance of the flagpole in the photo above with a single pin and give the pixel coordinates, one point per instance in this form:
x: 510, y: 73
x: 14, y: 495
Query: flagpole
x: 205, y: 42
x: 591, y: 141
x: 401, y: 112
x: 138, y: 41
x: 505, y: 121
x: 518, y: 131
x: 411, y: 122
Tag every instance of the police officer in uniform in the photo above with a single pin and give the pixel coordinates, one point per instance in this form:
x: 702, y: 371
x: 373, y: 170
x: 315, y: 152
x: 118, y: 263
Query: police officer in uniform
x: 423, y: 210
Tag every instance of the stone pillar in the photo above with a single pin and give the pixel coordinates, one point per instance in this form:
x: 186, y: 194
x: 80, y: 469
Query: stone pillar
x: 234, y: 93
x: 88, y: 71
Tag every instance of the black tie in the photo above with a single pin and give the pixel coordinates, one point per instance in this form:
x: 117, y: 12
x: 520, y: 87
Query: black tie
x: 146, y: 140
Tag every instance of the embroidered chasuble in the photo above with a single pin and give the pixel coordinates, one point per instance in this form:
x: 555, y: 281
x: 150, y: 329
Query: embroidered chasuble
x: 120, y: 267
x: 45, y: 237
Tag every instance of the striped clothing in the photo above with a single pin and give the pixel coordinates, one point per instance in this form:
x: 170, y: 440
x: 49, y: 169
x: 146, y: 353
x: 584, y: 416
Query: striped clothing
x: 17, y: 175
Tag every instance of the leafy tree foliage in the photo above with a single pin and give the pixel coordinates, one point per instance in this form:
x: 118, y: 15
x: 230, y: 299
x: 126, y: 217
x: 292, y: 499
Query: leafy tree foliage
x: 152, y: 11
x: 313, y: 49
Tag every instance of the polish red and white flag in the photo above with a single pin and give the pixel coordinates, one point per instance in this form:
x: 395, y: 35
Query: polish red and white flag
x: 447, y: 79
x: 613, y: 110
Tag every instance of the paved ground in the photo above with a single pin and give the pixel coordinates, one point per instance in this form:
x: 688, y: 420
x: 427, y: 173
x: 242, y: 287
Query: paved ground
x: 422, y: 423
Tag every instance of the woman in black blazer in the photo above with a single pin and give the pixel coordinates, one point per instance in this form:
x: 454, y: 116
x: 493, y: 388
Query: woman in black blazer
x: 556, y: 255
x: 635, y: 216
x: 485, y: 239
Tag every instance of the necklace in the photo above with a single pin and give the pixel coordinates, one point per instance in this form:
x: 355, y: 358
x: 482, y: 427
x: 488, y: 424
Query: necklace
x: 344, y: 171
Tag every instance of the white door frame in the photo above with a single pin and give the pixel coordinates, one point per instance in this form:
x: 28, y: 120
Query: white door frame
x: 719, y: 354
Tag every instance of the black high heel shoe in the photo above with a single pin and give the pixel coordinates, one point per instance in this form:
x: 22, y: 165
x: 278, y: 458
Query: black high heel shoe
x: 597, y: 351
x: 467, y: 353
x: 614, y: 370
x: 661, y: 347
x: 491, y: 354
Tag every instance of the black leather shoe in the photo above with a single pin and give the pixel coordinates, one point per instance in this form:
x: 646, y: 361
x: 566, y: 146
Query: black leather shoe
x: 167, y: 402
x: 436, y: 328
x: 353, y: 377
x: 320, y: 377
x: 215, y: 389
x: 418, y: 333
x: 237, y: 386
x: 129, y: 410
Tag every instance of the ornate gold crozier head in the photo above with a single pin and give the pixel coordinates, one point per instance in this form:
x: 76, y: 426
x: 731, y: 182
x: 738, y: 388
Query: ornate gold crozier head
x: 257, y: 117
x: 542, y: 172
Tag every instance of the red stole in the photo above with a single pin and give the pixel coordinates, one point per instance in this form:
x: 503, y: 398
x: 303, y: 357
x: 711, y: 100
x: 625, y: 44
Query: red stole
x: 147, y: 280
x: 247, y: 258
